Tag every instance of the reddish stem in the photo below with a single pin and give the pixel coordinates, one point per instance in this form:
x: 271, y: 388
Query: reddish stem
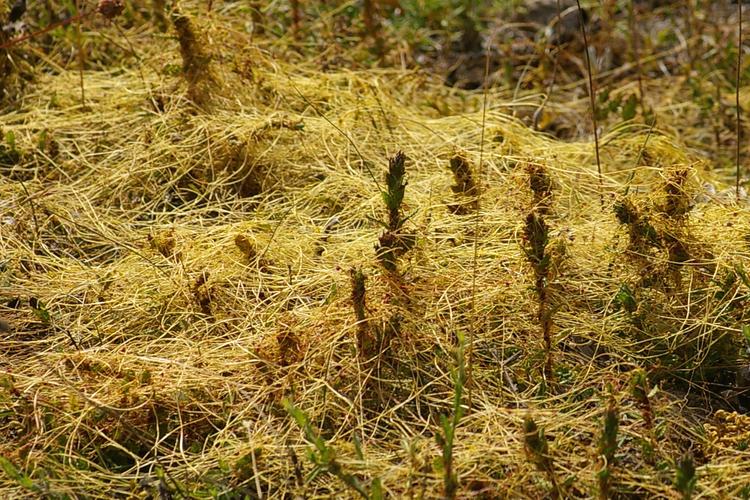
x: 48, y: 28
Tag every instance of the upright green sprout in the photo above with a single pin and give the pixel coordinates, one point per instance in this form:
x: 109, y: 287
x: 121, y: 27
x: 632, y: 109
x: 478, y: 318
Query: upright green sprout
x: 537, y: 452
x: 364, y: 344
x: 323, y: 456
x: 449, y: 425
x: 685, y: 477
x: 465, y: 188
x: 677, y: 200
x: 393, y: 242
x: 642, y: 234
x: 536, y: 237
x: 541, y: 187
x: 639, y: 388
x: 396, y: 187
x: 607, y: 447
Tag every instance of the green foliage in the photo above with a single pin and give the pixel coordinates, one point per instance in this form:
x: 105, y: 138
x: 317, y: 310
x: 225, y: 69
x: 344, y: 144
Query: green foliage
x: 535, y: 240
x: 358, y: 297
x: 40, y: 310
x: 746, y: 334
x: 536, y: 237
x: 625, y: 299
x: 537, y: 451
x: 639, y: 389
x: 393, y: 242
x: 323, y: 456
x: 608, y: 438
x: 629, y: 107
x: 16, y: 475
x: 434, y: 14
x: 642, y: 233
x: 9, y: 155
x: 726, y: 286
x: 465, y: 188
x: 395, y: 181
x: 739, y: 270
x: 243, y: 467
x: 449, y: 424
x: 607, y: 104
x: 685, y: 477
x: 10, y: 139
x: 607, y: 446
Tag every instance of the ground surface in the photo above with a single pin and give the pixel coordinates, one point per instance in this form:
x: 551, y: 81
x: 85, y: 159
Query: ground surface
x: 180, y: 255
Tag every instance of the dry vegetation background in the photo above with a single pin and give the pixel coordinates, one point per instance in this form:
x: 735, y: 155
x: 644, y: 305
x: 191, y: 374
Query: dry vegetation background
x: 220, y: 278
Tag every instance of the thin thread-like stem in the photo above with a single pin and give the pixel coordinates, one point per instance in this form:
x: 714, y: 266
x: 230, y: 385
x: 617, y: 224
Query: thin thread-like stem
x: 688, y: 50
x: 737, y: 98
x: 475, y: 257
x: 341, y: 131
x: 640, y: 155
x: 46, y: 29
x: 593, y: 101
x: 137, y: 58
x: 33, y: 214
x: 81, y: 56
x: 634, y: 41
x: 369, y: 16
x: 540, y: 110
x: 295, y: 18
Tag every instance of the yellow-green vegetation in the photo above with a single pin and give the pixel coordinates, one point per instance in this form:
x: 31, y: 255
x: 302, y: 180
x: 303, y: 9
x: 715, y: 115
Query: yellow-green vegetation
x: 238, y: 271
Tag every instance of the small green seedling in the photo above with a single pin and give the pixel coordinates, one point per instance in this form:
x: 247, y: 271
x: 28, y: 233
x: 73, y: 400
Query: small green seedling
x: 642, y: 234
x: 685, y: 477
x: 323, y: 457
x: 535, y: 239
x: 9, y: 155
x: 393, y: 243
x: 540, y: 184
x: 449, y: 424
x: 465, y: 188
x: 625, y: 299
x: 19, y: 477
x: 639, y: 388
x: 395, y: 180
x: 537, y: 452
x: 359, y: 292
x: 607, y: 447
